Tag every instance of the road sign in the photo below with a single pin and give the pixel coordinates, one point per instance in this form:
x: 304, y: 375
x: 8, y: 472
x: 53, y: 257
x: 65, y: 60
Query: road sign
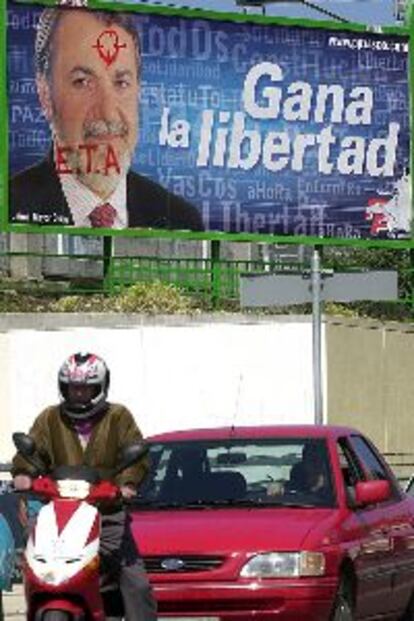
x: 282, y: 289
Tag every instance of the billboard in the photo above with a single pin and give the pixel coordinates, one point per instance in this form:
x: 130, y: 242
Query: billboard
x: 134, y: 121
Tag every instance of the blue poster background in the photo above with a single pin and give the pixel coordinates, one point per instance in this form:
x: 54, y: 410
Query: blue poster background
x: 195, y: 65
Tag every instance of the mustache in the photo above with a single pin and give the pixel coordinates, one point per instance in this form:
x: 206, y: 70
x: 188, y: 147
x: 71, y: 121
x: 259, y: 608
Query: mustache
x: 96, y: 129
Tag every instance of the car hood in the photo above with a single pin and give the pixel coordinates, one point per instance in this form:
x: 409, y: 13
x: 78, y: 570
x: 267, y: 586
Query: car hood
x: 222, y: 531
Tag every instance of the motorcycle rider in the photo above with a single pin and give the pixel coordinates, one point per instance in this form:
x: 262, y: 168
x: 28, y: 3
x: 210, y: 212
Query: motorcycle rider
x: 86, y: 429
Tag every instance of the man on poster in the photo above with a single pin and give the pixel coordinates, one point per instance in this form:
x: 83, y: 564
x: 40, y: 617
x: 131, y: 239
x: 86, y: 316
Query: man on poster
x: 87, y: 67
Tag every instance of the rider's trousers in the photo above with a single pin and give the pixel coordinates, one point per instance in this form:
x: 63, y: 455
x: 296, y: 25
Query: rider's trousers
x: 120, y: 558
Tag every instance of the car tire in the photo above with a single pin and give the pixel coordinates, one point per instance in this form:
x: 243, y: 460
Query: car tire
x: 343, y: 607
x: 409, y: 612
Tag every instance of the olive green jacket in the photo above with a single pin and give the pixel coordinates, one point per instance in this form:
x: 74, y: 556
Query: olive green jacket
x: 54, y: 436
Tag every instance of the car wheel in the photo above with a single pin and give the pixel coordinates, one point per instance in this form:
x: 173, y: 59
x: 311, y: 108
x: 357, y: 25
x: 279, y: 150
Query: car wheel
x: 343, y: 604
x: 409, y: 612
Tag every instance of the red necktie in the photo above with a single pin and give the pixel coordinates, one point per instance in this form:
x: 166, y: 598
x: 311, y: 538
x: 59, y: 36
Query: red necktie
x: 103, y: 216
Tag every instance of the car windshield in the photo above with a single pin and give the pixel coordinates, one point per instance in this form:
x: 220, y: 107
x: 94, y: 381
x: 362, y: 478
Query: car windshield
x: 292, y: 472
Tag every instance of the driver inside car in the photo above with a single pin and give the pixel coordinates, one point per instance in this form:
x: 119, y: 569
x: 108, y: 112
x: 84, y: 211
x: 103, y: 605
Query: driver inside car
x: 308, y: 476
x: 86, y: 429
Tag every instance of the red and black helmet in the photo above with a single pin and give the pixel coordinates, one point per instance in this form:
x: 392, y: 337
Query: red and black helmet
x: 83, y: 369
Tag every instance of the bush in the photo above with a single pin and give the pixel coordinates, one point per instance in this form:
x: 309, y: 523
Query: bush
x: 154, y: 298
x: 150, y: 298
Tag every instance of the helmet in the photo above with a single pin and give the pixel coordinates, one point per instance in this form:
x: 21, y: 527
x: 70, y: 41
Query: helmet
x: 83, y: 370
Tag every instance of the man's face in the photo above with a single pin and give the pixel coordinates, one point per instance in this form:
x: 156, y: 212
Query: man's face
x: 315, y: 477
x: 91, y: 100
x: 81, y: 393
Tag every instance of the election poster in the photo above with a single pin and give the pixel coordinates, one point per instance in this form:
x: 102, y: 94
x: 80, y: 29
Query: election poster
x: 131, y: 120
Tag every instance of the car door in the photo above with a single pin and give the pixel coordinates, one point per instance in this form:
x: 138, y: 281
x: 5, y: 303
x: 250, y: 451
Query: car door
x: 371, y: 546
x: 398, y: 523
x: 391, y: 529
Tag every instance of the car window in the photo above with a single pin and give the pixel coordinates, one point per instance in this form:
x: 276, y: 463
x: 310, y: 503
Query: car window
x: 350, y: 468
x: 409, y: 488
x: 374, y: 467
x: 266, y: 472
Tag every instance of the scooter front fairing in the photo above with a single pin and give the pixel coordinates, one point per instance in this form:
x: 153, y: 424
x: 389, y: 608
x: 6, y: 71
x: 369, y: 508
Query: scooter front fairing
x: 62, y: 558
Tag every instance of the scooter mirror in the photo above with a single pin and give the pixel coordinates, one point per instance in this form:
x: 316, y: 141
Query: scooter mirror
x: 27, y: 448
x: 131, y: 454
x: 24, y: 444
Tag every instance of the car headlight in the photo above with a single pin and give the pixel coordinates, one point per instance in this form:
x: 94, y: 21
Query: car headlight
x: 284, y: 565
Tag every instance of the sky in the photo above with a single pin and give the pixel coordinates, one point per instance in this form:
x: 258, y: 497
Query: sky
x: 371, y: 12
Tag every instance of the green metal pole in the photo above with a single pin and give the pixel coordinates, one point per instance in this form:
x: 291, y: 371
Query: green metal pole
x: 107, y: 258
x: 215, y: 272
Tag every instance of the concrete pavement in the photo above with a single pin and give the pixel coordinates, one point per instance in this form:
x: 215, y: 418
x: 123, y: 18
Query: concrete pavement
x: 14, y: 604
x: 15, y: 609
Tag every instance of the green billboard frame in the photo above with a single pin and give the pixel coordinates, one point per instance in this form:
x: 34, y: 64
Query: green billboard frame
x: 406, y: 30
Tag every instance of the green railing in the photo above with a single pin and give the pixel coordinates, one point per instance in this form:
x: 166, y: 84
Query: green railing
x: 212, y: 279
x: 208, y: 278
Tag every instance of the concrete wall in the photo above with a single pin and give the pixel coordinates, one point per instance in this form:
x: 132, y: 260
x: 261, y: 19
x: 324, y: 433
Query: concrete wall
x: 370, y: 380
x: 178, y: 372
x: 172, y: 372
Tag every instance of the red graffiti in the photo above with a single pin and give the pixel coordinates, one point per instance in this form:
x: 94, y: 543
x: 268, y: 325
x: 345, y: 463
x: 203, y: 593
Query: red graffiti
x: 86, y: 156
x: 108, y: 46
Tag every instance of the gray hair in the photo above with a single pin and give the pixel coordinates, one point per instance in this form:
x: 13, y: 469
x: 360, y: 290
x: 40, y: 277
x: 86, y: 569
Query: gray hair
x: 47, y: 26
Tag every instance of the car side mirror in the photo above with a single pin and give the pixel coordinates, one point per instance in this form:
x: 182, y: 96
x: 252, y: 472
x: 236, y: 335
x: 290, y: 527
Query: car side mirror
x: 131, y: 454
x: 371, y: 492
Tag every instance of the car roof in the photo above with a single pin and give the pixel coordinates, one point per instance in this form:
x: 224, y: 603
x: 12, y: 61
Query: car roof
x: 257, y: 432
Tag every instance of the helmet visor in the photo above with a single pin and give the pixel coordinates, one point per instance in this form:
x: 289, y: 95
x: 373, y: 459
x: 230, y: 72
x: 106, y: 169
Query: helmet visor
x: 80, y: 396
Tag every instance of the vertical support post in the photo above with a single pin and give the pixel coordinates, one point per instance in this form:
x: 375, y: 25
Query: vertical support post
x: 215, y: 272
x: 316, y: 282
x: 107, y: 257
x: 411, y: 279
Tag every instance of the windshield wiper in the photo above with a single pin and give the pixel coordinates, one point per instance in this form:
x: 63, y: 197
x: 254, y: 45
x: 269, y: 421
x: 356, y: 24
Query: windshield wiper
x: 204, y: 503
x: 170, y: 504
x: 293, y: 503
x: 259, y: 502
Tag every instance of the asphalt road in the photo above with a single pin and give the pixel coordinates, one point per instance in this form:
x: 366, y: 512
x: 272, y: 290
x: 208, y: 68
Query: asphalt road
x: 14, y: 605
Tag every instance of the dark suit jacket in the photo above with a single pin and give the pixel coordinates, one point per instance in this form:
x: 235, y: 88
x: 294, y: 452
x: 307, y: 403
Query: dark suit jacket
x: 36, y: 197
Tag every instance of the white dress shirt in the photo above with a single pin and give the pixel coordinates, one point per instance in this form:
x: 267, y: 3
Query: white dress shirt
x: 81, y: 201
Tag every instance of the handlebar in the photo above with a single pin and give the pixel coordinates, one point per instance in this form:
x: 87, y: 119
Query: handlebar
x: 76, y: 489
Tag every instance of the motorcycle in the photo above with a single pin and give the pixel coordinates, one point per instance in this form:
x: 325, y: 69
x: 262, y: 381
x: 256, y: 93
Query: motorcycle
x: 61, y: 560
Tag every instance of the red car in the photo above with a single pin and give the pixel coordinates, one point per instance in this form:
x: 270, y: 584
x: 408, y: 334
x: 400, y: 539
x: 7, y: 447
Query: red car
x: 290, y: 523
